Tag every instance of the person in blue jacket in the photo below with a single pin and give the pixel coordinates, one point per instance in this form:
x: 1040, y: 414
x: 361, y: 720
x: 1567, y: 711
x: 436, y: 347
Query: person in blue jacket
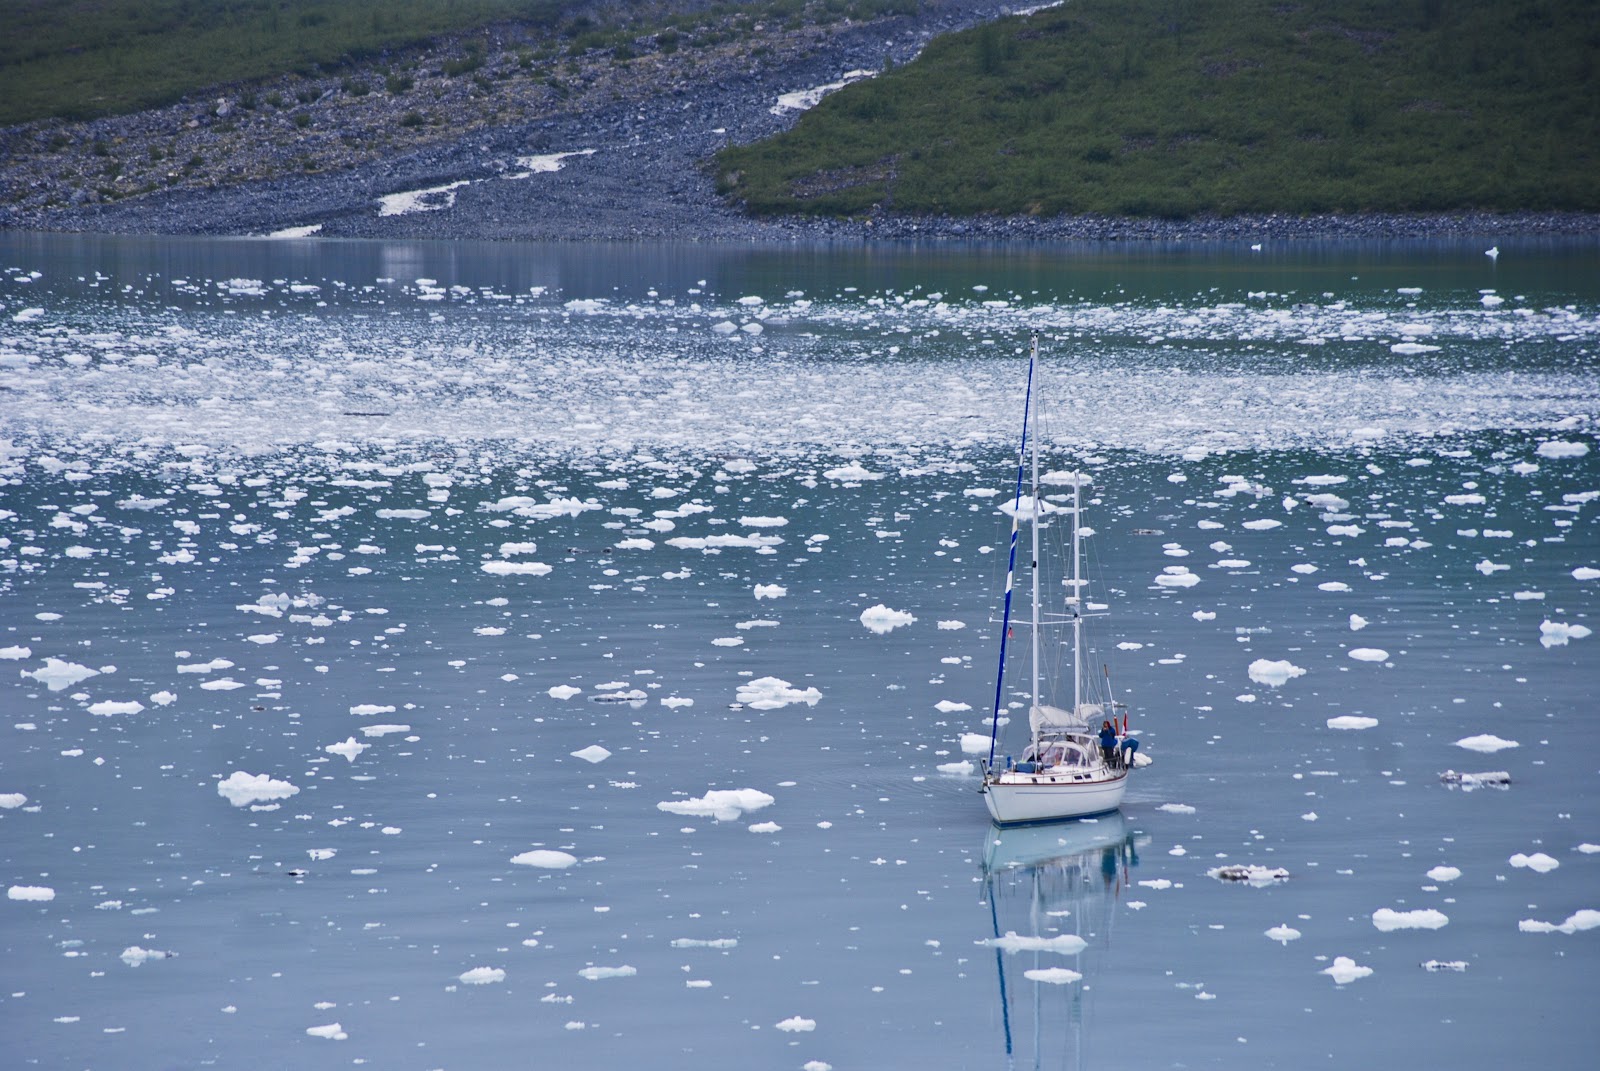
x: 1108, y: 742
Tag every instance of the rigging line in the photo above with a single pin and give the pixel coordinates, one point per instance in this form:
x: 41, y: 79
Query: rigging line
x: 1011, y: 567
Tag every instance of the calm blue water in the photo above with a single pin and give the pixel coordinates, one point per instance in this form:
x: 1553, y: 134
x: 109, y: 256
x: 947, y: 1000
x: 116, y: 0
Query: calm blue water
x: 444, y: 500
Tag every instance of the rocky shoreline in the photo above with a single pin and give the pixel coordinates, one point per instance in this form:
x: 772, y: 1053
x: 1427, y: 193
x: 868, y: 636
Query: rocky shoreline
x: 607, y: 151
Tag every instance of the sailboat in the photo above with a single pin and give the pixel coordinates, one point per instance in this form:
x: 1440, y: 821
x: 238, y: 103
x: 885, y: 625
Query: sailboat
x: 1063, y: 772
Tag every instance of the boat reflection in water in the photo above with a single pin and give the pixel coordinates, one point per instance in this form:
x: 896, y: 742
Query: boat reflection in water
x: 1052, y: 891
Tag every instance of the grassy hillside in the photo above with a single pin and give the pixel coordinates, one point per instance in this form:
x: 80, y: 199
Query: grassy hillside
x: 1181, y: 107
x: 77, y: 59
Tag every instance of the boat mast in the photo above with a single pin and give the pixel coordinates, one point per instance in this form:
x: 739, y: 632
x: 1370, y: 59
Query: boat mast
x: 1077, y: 594
x: 1033, y: 492
x: 1011, y: 565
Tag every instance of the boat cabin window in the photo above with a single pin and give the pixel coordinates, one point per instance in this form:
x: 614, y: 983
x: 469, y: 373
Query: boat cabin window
x: 1062, y: 753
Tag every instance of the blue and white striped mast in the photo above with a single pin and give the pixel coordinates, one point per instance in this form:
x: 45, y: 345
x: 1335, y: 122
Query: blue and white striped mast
x: 1011, y: 566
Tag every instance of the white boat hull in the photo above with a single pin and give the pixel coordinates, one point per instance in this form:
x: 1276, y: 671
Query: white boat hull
x: 1013, y: 800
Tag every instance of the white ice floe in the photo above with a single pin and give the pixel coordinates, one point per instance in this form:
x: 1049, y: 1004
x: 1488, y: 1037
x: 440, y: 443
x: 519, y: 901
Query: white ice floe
x: 57, y: 674
x: 39, y: 893
x: 1345, y: 970
x: 770, y: 591
x: 1351, y: 721
x: 367, y: 710
x: 1369, y: 654
x: 1587, y: 919
x: 111, y: 706
x: 348, y: 750
x: 765, y: 827
x: 563, y: 691
x: 1457, y: 965
x: 545, y: 858
x: 1555, y: 448
x: 134, y: 956
x: 950, y: 706
x: 384, y: 730
x: 1470, y: 781
x: 963, y: 768
x: 1052, y: 975
x: 1388, y: 919
x: 332, y: 1031
x: 1559, y: 634
x: 796, y: 1024
x: 950, y: 626
x: 1274, y: 672
x: 1067, y: 944
x: 1357, y: 622
x: 483, y: 975
x: 10, y: 801
x: 1487, y: 743
x: 772, y: 693
x: 1283, y: 934
x: 1177, y: 576
x: 504, y: 568
x: 851, y: 473
x: 240, y: 788
x: 594, y: 974
x: 723, y: 805
x: 1538, y: 862
x: 1586, y: 572
x: 975, y: 743
x: 1444, y: 873
x: 1249, y: 874
x: 882, y: 620
x: 592, y: 753
x: 13, y: 654
x: 1176, y: 808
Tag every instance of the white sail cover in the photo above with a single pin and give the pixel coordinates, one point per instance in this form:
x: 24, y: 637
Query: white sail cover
x: 1044, y: 717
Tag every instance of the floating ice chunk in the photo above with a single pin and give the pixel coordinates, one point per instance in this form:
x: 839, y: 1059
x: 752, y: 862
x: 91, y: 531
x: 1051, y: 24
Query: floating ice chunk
x: 221, y: 684
x: 716, y: 942
x: 1473, y: 499
x: 134, y: 956
x: 1351, y: 721
x: 1066, y: 944
x: 1345, y: 970
x: 975, y: 743
x: 321, y: 855
x: 1559, y: 634
x: 1052, y: 975
x: 1369, y: 654
x: 111, y: 706
x: 1487, y: 743
x: 795, y: 1024
x: 1470, y: 781
x: 1204, y: 615
x: 852, y: 472
x: 241, y: 788
x: 483, y: 975
x: 15, y: 653
x: 1025, y: 508
x: 384, y: 730
x: 770, y: 591
x: 594, y: 974
x: 672, y: 702
x: 765, y: 827
x: 771, y: 693
x: 403, y: 514
x: 366, y: 710
x: 333, y: 1032
x: 1587, y: 919
x: 1556, y: 448
x: 1249, y: 874
x: 1333, y: 585
x: 1263, y: 525
x: 1387, y: 919
x: 349, y: 749
x: 635, y: 544
x: 723, y: 805
x: 546, y: 858
x: 728, y: 641
x: 10, y: 801
x: 1357, y: 622
x: 503, y: 568
x: 57, y: 674
x: 1488, y: 568
x: 962, y: 768
x: 1538, y: 862
x: 1585, y: 572
x: 1406, y: 349
x: 1283, y: 933
x: 563, y: 691
x: 1445, y: 965
x: 592, y: 753
x: 1444, y: 873
x: 39, y: 893
x: 1176, y: 808
x: 949, y: 706
x: 950, y: 626
x: 1274, y: 673
x: 1177, y: 576
x: 880, y: 619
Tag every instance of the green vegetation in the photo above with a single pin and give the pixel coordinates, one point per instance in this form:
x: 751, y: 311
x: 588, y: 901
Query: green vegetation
x: 1174, y: 108
x: 97, y: 57
x: 89, y: 58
